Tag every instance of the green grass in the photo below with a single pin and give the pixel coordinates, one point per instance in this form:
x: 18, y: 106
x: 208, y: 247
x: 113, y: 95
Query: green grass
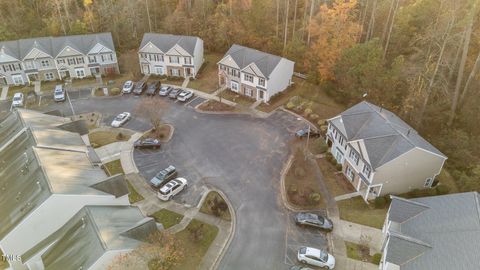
x: 167, y: 218
x: 114, y: 167
x: 361, y: 253
x: 357, y: 211
x: 12, y: 90
x: 101, y: 138
x: 352, y: 251
x: 237, y: 98
x: 208, y: 206
x: 207, y: 78
x: 133, y: 196
x: 195, y: 248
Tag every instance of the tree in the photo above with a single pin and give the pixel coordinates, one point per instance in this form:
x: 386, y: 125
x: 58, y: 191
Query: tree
x: 153, y: 109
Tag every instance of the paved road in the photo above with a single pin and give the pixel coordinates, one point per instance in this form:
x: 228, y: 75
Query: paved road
x: 242, y: 156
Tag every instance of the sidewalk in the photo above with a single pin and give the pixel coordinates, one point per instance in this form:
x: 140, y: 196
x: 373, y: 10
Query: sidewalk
x: 122, y: 151
x: 3, y: 95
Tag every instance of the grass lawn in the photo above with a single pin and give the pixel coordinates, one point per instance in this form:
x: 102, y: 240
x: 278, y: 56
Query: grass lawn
x: 19, y: 89
x: 357, y: 211
x: 101, y: 138
x: 114, y: 167
x: 336, y: 183
x: 237, y: 98
x: 133, y: 196
x: 161, y: 133
x: 215, y: 106
x: 446, y: 179
x: 90, y: 119
x: 195, y: 240
x: 215, y: 205
x: 207, y: 78
x: 360, y: 253
x: 170, y: 80
x: 302, y: 185
x: 167, y: 218
x: 99, y: 92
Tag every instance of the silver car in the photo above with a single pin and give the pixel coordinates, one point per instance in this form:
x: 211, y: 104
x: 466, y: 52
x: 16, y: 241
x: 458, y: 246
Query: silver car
x: 59, y: 93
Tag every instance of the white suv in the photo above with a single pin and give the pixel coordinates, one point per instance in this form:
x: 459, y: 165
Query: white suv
x: 316, y: 257
x: 185, y: 95
x: 172, y: 188
x: 17, y: 100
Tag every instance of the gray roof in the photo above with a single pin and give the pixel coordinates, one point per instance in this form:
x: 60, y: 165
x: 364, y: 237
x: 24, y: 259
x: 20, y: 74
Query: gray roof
x: 93, y: 231
x: 54, y: 45
x: 37, y: 160
x: 450, y: 226
x: 402, y: 210
x: 166, y: 41
x: 244, y: 56
x: 384, y: 134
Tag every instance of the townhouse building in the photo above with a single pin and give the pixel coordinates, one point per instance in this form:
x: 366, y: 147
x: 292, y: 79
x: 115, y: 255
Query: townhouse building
x: 381, y: 154
x: 56, y: 58
x: 170, y: 55
x: 253, y: 73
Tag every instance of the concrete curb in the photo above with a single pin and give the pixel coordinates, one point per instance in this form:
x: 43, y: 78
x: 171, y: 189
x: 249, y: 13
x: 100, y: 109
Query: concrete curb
x: 283, y: 190
x: 172, y: 129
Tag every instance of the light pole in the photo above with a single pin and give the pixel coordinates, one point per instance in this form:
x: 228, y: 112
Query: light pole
x: 68, y: 96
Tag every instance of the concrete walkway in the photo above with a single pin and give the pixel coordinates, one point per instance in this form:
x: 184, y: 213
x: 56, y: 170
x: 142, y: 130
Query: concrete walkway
x: 206, y: 95
x: 185, y: 82
x: 37, y: 87
x: 122, y: 151
x: 347, y: 196
x: 3, y: 95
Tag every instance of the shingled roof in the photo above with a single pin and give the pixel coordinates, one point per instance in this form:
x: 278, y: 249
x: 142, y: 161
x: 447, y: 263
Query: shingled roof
x: 166, y: 41
x: 383, y: 133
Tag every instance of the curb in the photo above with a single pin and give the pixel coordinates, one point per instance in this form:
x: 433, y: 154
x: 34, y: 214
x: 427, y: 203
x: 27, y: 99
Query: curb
x: 299, y: 116
x: 285, y: 169
x: 172, y: 129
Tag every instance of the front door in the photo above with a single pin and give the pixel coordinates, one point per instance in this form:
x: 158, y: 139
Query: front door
x: 188, y: 72
x: 261, y: 95
x: 95, y: 70
x: 146, y: 69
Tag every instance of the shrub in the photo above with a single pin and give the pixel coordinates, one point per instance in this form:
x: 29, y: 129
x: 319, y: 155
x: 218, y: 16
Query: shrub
x: 94, y: 145
x: 293, y: 189
x: 295, y: 100
x: 307, y: 111
x: 120, y: 136
x: 115, y: 91
x: 376, y: 258
x: 380, y: 202
x: 290, y: 105
x: 338, y: 166
x: 442, y: 190
x: 299, y: 172
x: 329, y: 157
x: 314, y: 198
x: 314, y: 116
x: 320, y: 122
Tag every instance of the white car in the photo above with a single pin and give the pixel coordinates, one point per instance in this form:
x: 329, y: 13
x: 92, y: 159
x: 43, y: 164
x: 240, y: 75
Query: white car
x: 185, y: 95
x: 59, y: 93
x: 172, y: 188
x: 121, y: 119
x: 316, y: 257
x: 17, y: 100
x: 127, y: 87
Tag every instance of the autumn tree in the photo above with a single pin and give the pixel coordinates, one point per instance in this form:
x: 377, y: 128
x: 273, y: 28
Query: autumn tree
x: 333, y: 30
x: 153, y: 109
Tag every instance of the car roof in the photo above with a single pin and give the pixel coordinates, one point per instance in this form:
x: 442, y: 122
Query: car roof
x: 18, y: 95
x: 313, y: 252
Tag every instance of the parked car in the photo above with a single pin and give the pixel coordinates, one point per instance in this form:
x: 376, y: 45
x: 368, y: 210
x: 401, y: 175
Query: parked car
x: 147, y: 143
x: 59, y: 93
x: 17, y: 100
x: 163, y: 176
x: 313, y: 220
x: 140, y: 86
x: 185, y: 95
x: 121, y: 119
x: 316, y: 257
x: 297, y: 267
x: 172, y: 188
x: 304, y: 133
x: 152, y: 88
x: 174, y: 93
x: 127, y: 87
x: 165, y: 90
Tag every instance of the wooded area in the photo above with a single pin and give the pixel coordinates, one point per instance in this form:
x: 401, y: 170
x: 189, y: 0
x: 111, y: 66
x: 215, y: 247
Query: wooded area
x: 418, y: 58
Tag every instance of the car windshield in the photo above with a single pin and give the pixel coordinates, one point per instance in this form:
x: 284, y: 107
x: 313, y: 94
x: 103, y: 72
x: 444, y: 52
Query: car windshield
x: 128, y: 84
x: 161, y: 174
x: 58, y: 91
x: 120, y: 117
x: 323, y: 256
x: 303, y: 250
x: 17, y: 98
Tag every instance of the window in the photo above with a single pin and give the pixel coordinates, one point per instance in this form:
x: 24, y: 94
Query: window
x: 61, y: 61
x: 49, y: 76
x: 110, y: 56
x: 367, y: 170
x: 354, y: 156
x: 261, y: 81
x: 349, y: 173
x: 45, y: 63
x: 174, y: 59
x: 80, y: 60
x: 80, y: 72
x: 159, y: 70
x: 428, y: 182
x: 175, y: 72
x: 92, y: 59
x: 341, y: 140
x: 71, y: 61
x: 234, y: 86
x: 188, y: 60
x: 17, y: 79
x: 160, y: 57
x: 248, y: 92
x: 29, y: 64
x: 248, y: 78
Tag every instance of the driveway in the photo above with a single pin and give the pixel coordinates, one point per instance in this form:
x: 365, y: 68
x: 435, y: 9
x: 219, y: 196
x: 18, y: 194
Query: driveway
x: 241, y: 155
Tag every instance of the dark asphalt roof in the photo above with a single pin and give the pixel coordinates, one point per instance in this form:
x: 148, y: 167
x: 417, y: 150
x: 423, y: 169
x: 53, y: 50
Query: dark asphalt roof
x: 446, y: 235
x: 384, y: 134
x: 245, y: 56
x: 166, y: 41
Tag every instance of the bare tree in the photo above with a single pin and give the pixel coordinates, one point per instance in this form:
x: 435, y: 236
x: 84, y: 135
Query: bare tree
x: 153, y: 109
x: 286, y: 25
x: 148, y: 16
x: 390, y: 29
x: 294, y: 20
x: 310, y: 21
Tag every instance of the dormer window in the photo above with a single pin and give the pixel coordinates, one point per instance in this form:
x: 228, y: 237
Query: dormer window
x: 261, y: 82
x: 45, y: 63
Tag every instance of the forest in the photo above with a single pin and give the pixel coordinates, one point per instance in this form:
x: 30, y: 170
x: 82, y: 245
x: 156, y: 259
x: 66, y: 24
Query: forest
x: 417, y: 58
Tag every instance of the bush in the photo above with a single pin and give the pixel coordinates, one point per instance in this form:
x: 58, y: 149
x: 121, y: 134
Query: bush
x: 94, y: 145
x: 442, y: 190
x: 115, y: 91
x: 376, y: 258
x: 299, y: 172
x: 380, y: 202
x: 120, y: 136
x: 314, y: 116
x: 293, y: 189
x: 290, y: 105
x: 315, y: 198
x: 307, y: 112
x: 338, y: 166
x: 295, y: 100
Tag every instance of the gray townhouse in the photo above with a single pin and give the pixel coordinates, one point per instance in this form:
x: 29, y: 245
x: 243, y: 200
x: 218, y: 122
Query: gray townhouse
x: 381, y: 154
x: 170, y: 55
x: 432, y: 233
x: 253, y: 73
x: 56, y: 58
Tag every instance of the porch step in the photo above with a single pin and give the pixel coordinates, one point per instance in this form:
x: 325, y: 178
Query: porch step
x: 185, y: 82
x: 4, y: 93
x: 347, y: 196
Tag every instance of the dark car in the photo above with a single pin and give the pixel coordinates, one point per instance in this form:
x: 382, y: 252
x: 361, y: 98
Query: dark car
x: 313, y: 220
x: 304, y: 132
x: 174, y: 93
x: 140, y: 86
x: 147, y: 143
x: 163, y: 176
x: 164, y: 90
x: 152, y: 88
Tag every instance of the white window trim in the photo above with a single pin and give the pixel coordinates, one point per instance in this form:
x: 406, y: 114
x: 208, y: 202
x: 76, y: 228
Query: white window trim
x: 234, y: 89
x: 51, y: 77
x: 16, y: 77
x: 80, y: 69
x: 161, y: 69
